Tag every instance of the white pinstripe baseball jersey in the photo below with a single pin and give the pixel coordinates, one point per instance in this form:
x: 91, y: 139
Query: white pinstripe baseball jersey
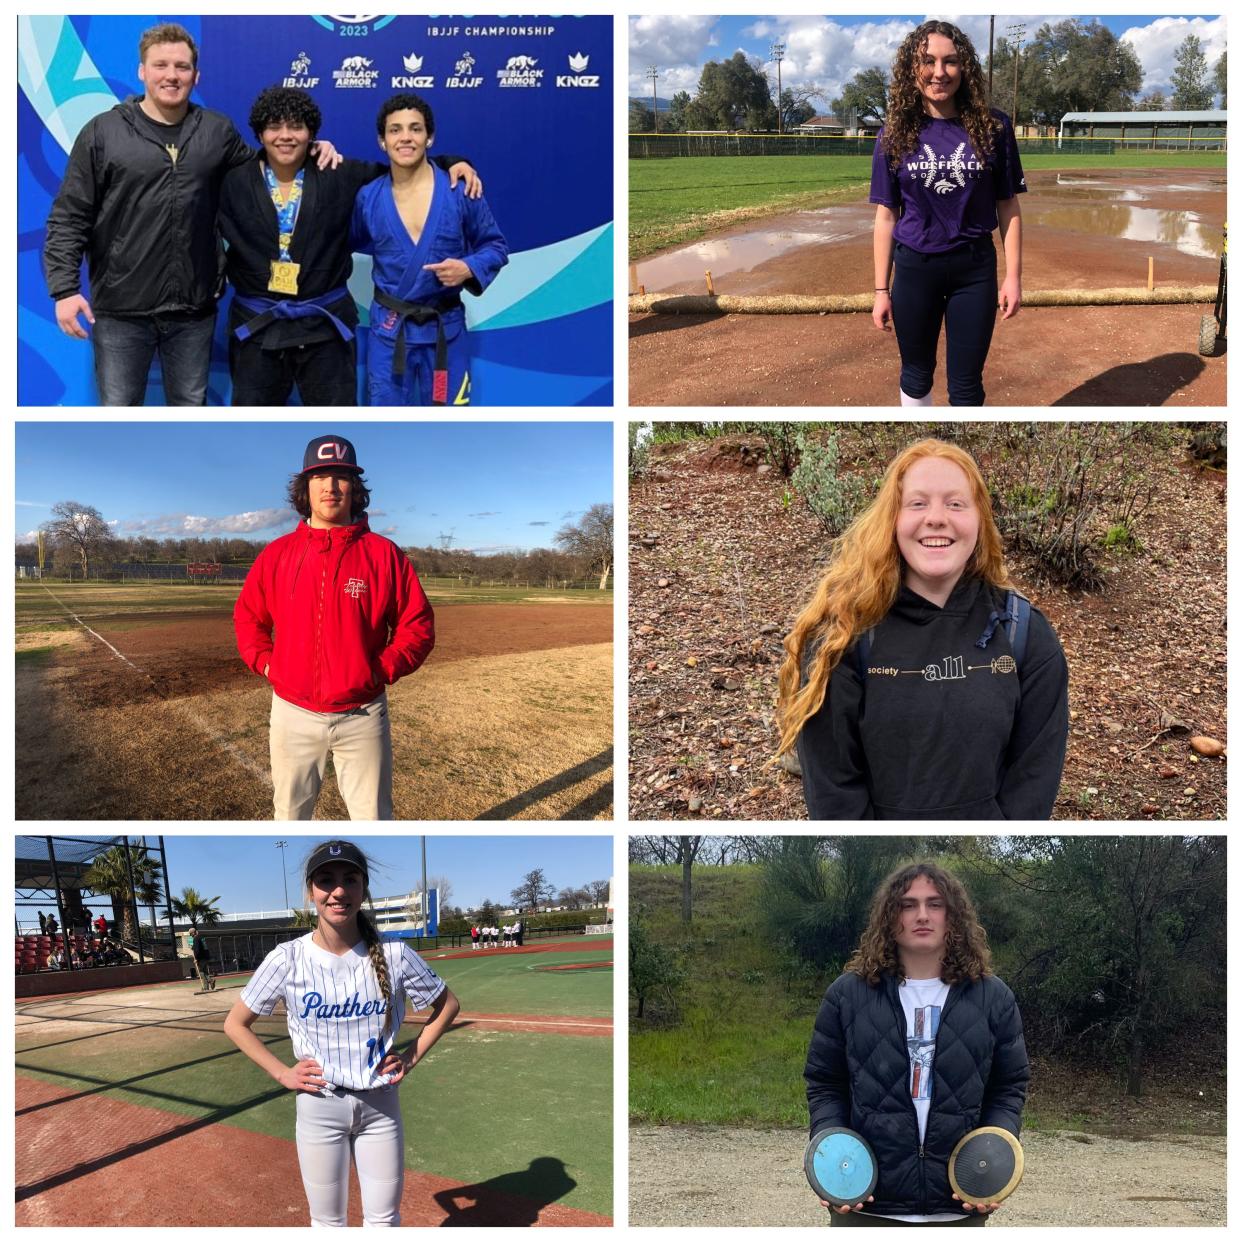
x: 334, y: 1005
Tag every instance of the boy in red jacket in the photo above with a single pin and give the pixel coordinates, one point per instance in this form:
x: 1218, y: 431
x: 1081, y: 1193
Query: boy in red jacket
x: 331, y: 614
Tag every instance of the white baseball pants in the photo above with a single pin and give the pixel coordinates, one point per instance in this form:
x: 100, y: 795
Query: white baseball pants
x: 360, y: 743
x: 366, y: 1125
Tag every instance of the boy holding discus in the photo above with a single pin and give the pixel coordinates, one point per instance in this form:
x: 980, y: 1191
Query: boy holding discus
x: 915, y: 1045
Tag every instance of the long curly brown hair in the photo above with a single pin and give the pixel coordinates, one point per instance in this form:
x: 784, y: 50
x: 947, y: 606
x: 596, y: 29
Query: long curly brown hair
x: 966, y: 952
x: 907, y: 115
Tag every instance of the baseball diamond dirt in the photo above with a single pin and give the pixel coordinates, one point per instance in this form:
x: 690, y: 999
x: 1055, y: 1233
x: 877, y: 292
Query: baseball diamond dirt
x: 133, y: 703
x: 710, y: 1176
x: 134, y: 1109
x: 1086, y: 229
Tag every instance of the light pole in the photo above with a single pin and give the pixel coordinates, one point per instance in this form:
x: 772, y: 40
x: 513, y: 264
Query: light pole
x: 777, y: 52
x: 654, y: 74
x: 1016, y: 33
x: 280, y: 845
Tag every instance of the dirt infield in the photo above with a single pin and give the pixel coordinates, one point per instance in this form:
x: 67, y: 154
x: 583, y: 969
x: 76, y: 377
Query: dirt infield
x: 511, y: 717
x: 579, y: 966
x: 539, y: 1024
x: 1090, y: 229
x: 105, y: 1162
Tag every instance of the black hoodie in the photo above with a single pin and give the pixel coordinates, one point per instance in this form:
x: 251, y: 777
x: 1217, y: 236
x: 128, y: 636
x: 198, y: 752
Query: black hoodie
x: 940, y: 728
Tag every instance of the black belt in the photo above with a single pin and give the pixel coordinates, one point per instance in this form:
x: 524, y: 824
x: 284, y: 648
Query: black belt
x: 420, y: 314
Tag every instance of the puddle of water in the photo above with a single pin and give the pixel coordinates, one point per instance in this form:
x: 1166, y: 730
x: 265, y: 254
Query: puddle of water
x: 1180, y: 229
x: 742, y: 252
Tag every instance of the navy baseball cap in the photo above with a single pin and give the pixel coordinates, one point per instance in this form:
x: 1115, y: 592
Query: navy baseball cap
x: 336, y: 851
x: 325, y: 452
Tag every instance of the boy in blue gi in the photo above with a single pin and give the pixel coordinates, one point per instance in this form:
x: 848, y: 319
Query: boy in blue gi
x: 427, y: 243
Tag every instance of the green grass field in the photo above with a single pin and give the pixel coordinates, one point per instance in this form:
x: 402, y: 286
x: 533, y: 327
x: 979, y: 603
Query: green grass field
x: 677, y: 200
x: 484, y: 1104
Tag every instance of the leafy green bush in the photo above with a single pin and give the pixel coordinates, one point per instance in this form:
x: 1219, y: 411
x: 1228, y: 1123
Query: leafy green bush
x: 656, y: 971
x: 833, y: 497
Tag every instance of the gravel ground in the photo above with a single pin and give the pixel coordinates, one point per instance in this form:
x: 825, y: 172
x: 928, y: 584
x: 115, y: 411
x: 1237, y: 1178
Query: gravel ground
x: 710, y: 1176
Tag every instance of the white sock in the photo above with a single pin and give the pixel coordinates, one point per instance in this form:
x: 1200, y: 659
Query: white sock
x: 908, y: 400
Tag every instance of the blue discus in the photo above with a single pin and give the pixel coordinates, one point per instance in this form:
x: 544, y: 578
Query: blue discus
x: 840, y: 1166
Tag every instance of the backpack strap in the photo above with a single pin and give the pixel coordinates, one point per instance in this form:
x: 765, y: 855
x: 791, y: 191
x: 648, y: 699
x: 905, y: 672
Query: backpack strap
x: 862, y: 653
x: 1019, y: 609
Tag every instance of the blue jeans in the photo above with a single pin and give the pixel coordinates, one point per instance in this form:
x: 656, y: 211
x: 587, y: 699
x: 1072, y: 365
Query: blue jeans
x: 125, y: 347
x: 957, y: 288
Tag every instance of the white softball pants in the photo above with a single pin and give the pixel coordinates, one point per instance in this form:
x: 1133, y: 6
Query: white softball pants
x: 366, y: 1125
x: 360, y: 743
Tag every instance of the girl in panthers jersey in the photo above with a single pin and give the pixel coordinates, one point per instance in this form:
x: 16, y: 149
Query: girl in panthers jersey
x: 344, y: 992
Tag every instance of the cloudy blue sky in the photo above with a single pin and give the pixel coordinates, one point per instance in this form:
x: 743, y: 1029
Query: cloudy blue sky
x: 830, y: 50
x: 493, y: 486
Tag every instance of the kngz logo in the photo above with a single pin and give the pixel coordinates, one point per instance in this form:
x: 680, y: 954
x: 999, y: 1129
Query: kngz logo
x: 355, y: 587
x: 463, y: 74
x: 299, y: 72
x: 413, y: 63
x: 577, y: 62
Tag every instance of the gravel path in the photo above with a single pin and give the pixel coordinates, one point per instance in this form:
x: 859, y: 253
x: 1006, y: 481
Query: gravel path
x: 682, y: 1175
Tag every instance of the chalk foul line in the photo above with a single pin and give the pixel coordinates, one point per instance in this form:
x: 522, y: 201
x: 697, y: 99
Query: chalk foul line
x: 222, y: 744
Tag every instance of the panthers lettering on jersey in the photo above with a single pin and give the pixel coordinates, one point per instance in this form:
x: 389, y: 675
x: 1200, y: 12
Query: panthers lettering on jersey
x: 335, y: 1010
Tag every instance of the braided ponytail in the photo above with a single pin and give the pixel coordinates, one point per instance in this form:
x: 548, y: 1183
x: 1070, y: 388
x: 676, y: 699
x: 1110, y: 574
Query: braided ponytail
x: 379, y: 964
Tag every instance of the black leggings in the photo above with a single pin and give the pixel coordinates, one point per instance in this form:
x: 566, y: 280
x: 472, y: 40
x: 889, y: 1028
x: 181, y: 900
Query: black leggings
x: 957, y: 287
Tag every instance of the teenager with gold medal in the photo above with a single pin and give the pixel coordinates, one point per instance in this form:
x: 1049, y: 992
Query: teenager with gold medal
x: 286, y: 224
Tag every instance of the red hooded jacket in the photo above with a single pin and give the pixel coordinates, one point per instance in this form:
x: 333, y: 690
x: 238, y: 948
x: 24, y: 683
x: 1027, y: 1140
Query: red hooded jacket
x: 337, y: 613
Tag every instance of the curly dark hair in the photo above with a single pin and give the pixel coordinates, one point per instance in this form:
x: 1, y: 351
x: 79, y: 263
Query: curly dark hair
x: 966, y: 952
x: 906, y: 114
x: 284, y: 103
x: 299, y: 493
x: 402, y: 103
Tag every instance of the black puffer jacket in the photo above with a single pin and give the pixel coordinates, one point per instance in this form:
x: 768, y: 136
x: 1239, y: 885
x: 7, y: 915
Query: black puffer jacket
x: 858, y: 1075
x: 146, y: 224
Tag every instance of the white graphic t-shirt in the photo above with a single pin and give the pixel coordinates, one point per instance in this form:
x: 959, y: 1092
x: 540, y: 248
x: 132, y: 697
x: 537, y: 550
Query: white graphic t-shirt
x: 334, y: 1006
x: 922, y: 1000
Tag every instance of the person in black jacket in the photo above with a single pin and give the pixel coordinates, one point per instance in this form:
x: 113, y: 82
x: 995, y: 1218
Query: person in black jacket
x: 286, y: 225
x: 139, y: 200
x: 911, y: 688
x: 915, y: 1045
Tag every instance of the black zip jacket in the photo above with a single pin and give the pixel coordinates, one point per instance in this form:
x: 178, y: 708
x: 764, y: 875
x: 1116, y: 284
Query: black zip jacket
x: 858, y: 1075
x: 940, y: 728
x: 320, y: 242
x: 146, y: 225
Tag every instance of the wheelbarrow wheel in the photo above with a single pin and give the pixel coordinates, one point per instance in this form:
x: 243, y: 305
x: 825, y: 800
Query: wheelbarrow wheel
x: 1208, y: 332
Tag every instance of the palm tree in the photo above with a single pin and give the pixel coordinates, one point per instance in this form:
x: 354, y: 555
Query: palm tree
x: 199, y: 911
x: 305, y: 918
x: 108, y: 875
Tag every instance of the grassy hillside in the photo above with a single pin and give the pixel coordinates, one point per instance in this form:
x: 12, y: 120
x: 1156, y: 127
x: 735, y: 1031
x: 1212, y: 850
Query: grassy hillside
x: 735, y: 1057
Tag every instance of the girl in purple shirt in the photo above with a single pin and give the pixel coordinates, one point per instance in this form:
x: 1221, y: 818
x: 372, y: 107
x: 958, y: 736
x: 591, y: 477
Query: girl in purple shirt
x: 945, y: 173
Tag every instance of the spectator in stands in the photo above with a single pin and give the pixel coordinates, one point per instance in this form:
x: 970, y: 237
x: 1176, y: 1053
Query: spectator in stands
x: 42, y: 923
x: 57, y: 960
x: 52, y: 925
x: 101, y: 925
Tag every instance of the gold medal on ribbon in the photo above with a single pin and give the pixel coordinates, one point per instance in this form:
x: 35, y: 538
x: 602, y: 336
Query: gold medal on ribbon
x: 284, y: 277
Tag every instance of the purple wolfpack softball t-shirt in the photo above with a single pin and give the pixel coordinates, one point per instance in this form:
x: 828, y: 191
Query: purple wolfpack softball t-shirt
x: 944, y: 194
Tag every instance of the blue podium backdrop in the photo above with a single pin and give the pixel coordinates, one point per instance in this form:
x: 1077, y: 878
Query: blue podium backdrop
x: 527, y: 99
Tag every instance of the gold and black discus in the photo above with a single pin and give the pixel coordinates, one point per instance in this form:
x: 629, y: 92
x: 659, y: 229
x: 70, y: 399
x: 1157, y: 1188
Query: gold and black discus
x: 986, y: 1166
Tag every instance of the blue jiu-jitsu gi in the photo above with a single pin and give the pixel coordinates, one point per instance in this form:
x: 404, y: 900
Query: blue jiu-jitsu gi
x: 416, y: 352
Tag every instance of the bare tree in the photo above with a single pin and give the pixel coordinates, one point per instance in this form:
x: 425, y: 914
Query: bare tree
x: 81, y: 529
x: 598, y: 891
x: 445, y: 886
x: 533, y: 891
x: 590, y: 538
